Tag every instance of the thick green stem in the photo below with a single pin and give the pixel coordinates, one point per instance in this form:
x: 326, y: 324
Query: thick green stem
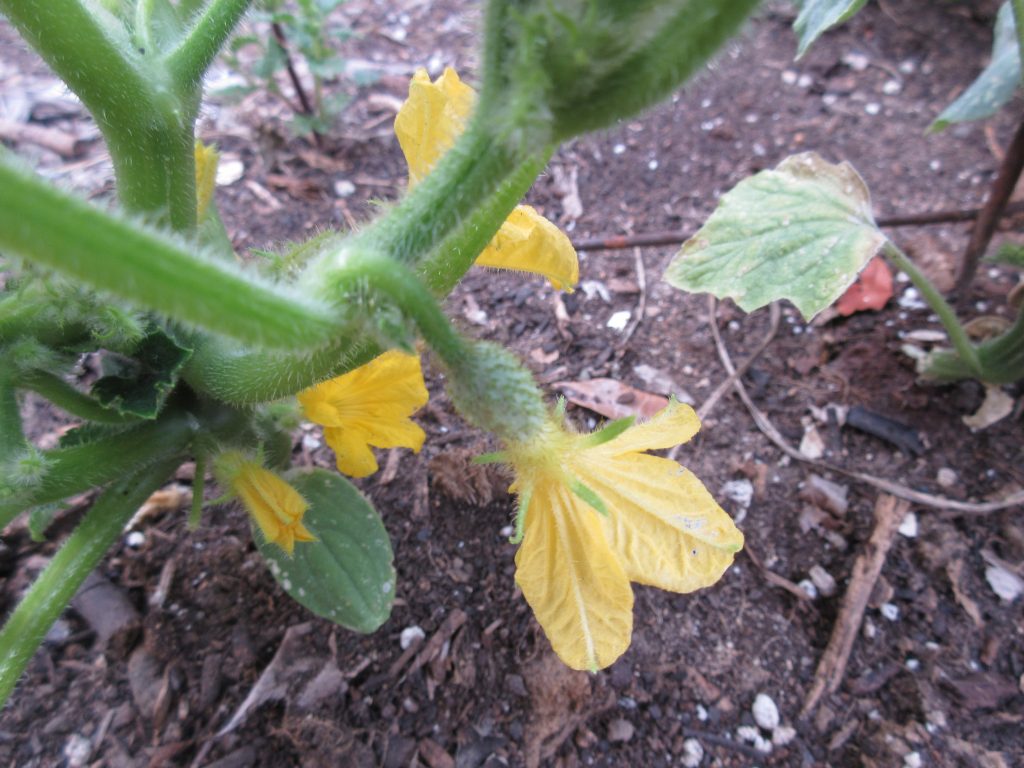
x: 153, y: 270
x: 67, y: 398
x: 1002, y: 359
x: 148, y: 126
x: 957, y: 335
x: 81, y: 467
x: 190, y: 60
x: 440, y: 249
x: 57, y: 584
x: 12, y: 441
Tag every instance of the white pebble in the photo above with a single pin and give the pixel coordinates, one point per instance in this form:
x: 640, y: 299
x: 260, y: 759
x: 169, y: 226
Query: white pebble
x: 740, y: 491
x: 748, y: 733
x: 344, y: 188
x: 890, y: 611
x: 410, y: 635
x: 693, y: 753
x: 891, y: 87
x: 619, y: 320
x: 789, y: 77
x: 1004, y: 583
x: 804, y: 81
x: 912, y: 760
x: 911, y: 299
x: 652, y: 165
x: 702, y: 713
x: 946, y: 477
x: 618, y: 149
x: 765, y: 713
x: 310, y: 443
x: 809, y: 589
x: 823, y: 580
x: 77, y: 750
x: 783, y: 735
x: 135, y: 539
x: 908, y: 527
x: 229, y: 171
x: 913, y: 664
x: 872, y: 107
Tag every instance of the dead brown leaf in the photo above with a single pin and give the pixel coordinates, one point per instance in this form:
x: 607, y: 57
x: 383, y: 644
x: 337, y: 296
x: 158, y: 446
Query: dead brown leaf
x: 612, y: 399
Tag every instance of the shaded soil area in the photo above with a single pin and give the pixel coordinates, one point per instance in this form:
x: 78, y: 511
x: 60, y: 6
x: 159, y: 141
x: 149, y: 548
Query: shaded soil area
x: 936, y: 673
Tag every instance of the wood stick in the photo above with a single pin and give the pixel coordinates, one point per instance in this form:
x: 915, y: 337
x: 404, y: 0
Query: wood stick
x: 889, y: 513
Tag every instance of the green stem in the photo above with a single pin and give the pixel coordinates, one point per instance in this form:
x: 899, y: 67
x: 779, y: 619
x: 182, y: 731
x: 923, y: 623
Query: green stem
x: 194, y: 55
x: 441, y: 251
x: 1002, y: 359
x: 1018, y: 22
x: 151, y: 269
x: 57, y: 584
x: 67, y: 398
x: 957, y: 335
x: 147, y: 125
x: 96, y: 463
x: 12, y: 441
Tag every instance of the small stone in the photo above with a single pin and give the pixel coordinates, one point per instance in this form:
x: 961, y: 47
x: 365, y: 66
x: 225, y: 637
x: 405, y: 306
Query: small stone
x: 1004, y: 583
x: 411, y: 635
x: 812, y: 446
x: 789, y: 77
x: 310, y: 443
x: 908, y: 527
x: 804, y: 81
x: 702, y: 713
x: 946, y: 477
x: 765, y: 713
x: 693, y: 753
x: 890, y: 611
x: 809, y: 589
x: 740, y: 491
x: 912, y: 760
x: 872, y: 107
x: 135, y: 539
x: 619, y: 320
x: 891, y: 87
x: 823, y: 580
x: 620, y: 730
x: 77, y: 751
x: 858, y: 62
x: 229, y: 171
x: 782, y: 735
x: 344, y: 188
x: 748, y: 733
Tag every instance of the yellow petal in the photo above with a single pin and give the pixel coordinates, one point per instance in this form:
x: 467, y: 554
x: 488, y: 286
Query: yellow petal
x: 431, y: 119
x: 572, y: 581
x: 206, y: 176
x: 351, y: 451
x: 664, y: 527
x: 275, y: 505
x: 674, y: 424
x: 530, y: 243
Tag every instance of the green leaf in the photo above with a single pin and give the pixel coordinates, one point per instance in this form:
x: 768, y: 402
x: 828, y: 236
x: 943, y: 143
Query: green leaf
x: 139, y: 384
x: 995, y: 85
x: 800, y: 232
x: 347, y: 575
x: 817, y: 16
x: 1011, y: 254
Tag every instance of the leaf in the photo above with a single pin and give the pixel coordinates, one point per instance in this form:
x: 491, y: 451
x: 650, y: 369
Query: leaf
x: 346, y: 575
x: 612, y: 399
x: 800, y: 232
x: 817, y: 16
x: 997, y: 82
x: 872, y: 290
x: 1011, y: 254
x: 139, y: 385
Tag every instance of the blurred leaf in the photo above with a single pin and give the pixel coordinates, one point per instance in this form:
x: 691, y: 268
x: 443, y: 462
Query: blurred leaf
x: 995, y: 85
x: 347, y: 576
x: 90, y: 432
x: 233, y: 93
x: 271, y: 61
x: 800, y: 232
x: 1010, y: 254
x: 817, y: 16
x: 139, y: 384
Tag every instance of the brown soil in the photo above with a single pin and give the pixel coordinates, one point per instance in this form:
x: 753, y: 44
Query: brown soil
x: 939, y: 676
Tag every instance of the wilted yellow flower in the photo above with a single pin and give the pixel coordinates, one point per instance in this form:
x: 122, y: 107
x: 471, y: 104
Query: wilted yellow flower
x: 369, y: 406
x: 427, y: 125
x: 276, y: 507
x: 600, y: 513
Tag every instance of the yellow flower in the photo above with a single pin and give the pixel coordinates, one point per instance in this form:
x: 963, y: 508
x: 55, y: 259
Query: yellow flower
x: 276, y: 507
x: 369, y: 406
x: 427, y: 125
x: 600, y: 513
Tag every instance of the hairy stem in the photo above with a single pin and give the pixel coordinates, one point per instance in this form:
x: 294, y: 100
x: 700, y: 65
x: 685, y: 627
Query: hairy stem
x: 57, y: 584
x: 189, y: 61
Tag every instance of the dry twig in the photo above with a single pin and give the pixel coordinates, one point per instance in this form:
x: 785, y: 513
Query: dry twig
x: 889, y: 513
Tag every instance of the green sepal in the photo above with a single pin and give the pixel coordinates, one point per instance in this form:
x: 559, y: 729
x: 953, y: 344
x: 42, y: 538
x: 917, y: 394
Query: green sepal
x: 818, y: 16
x: 139, y: 385
x: 522, y: 508
x: 802, y: 231
x: 347, y: 575
x: 609, y: 431
x: 995, y: 85
x: 589, y: 496
x: 495, y: 457
x: 39, y: 519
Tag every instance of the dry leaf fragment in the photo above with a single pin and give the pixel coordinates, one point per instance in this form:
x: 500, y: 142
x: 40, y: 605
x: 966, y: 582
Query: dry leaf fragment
x: 997, y: 405
x: 612, y: 399
x: 872, y: 290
